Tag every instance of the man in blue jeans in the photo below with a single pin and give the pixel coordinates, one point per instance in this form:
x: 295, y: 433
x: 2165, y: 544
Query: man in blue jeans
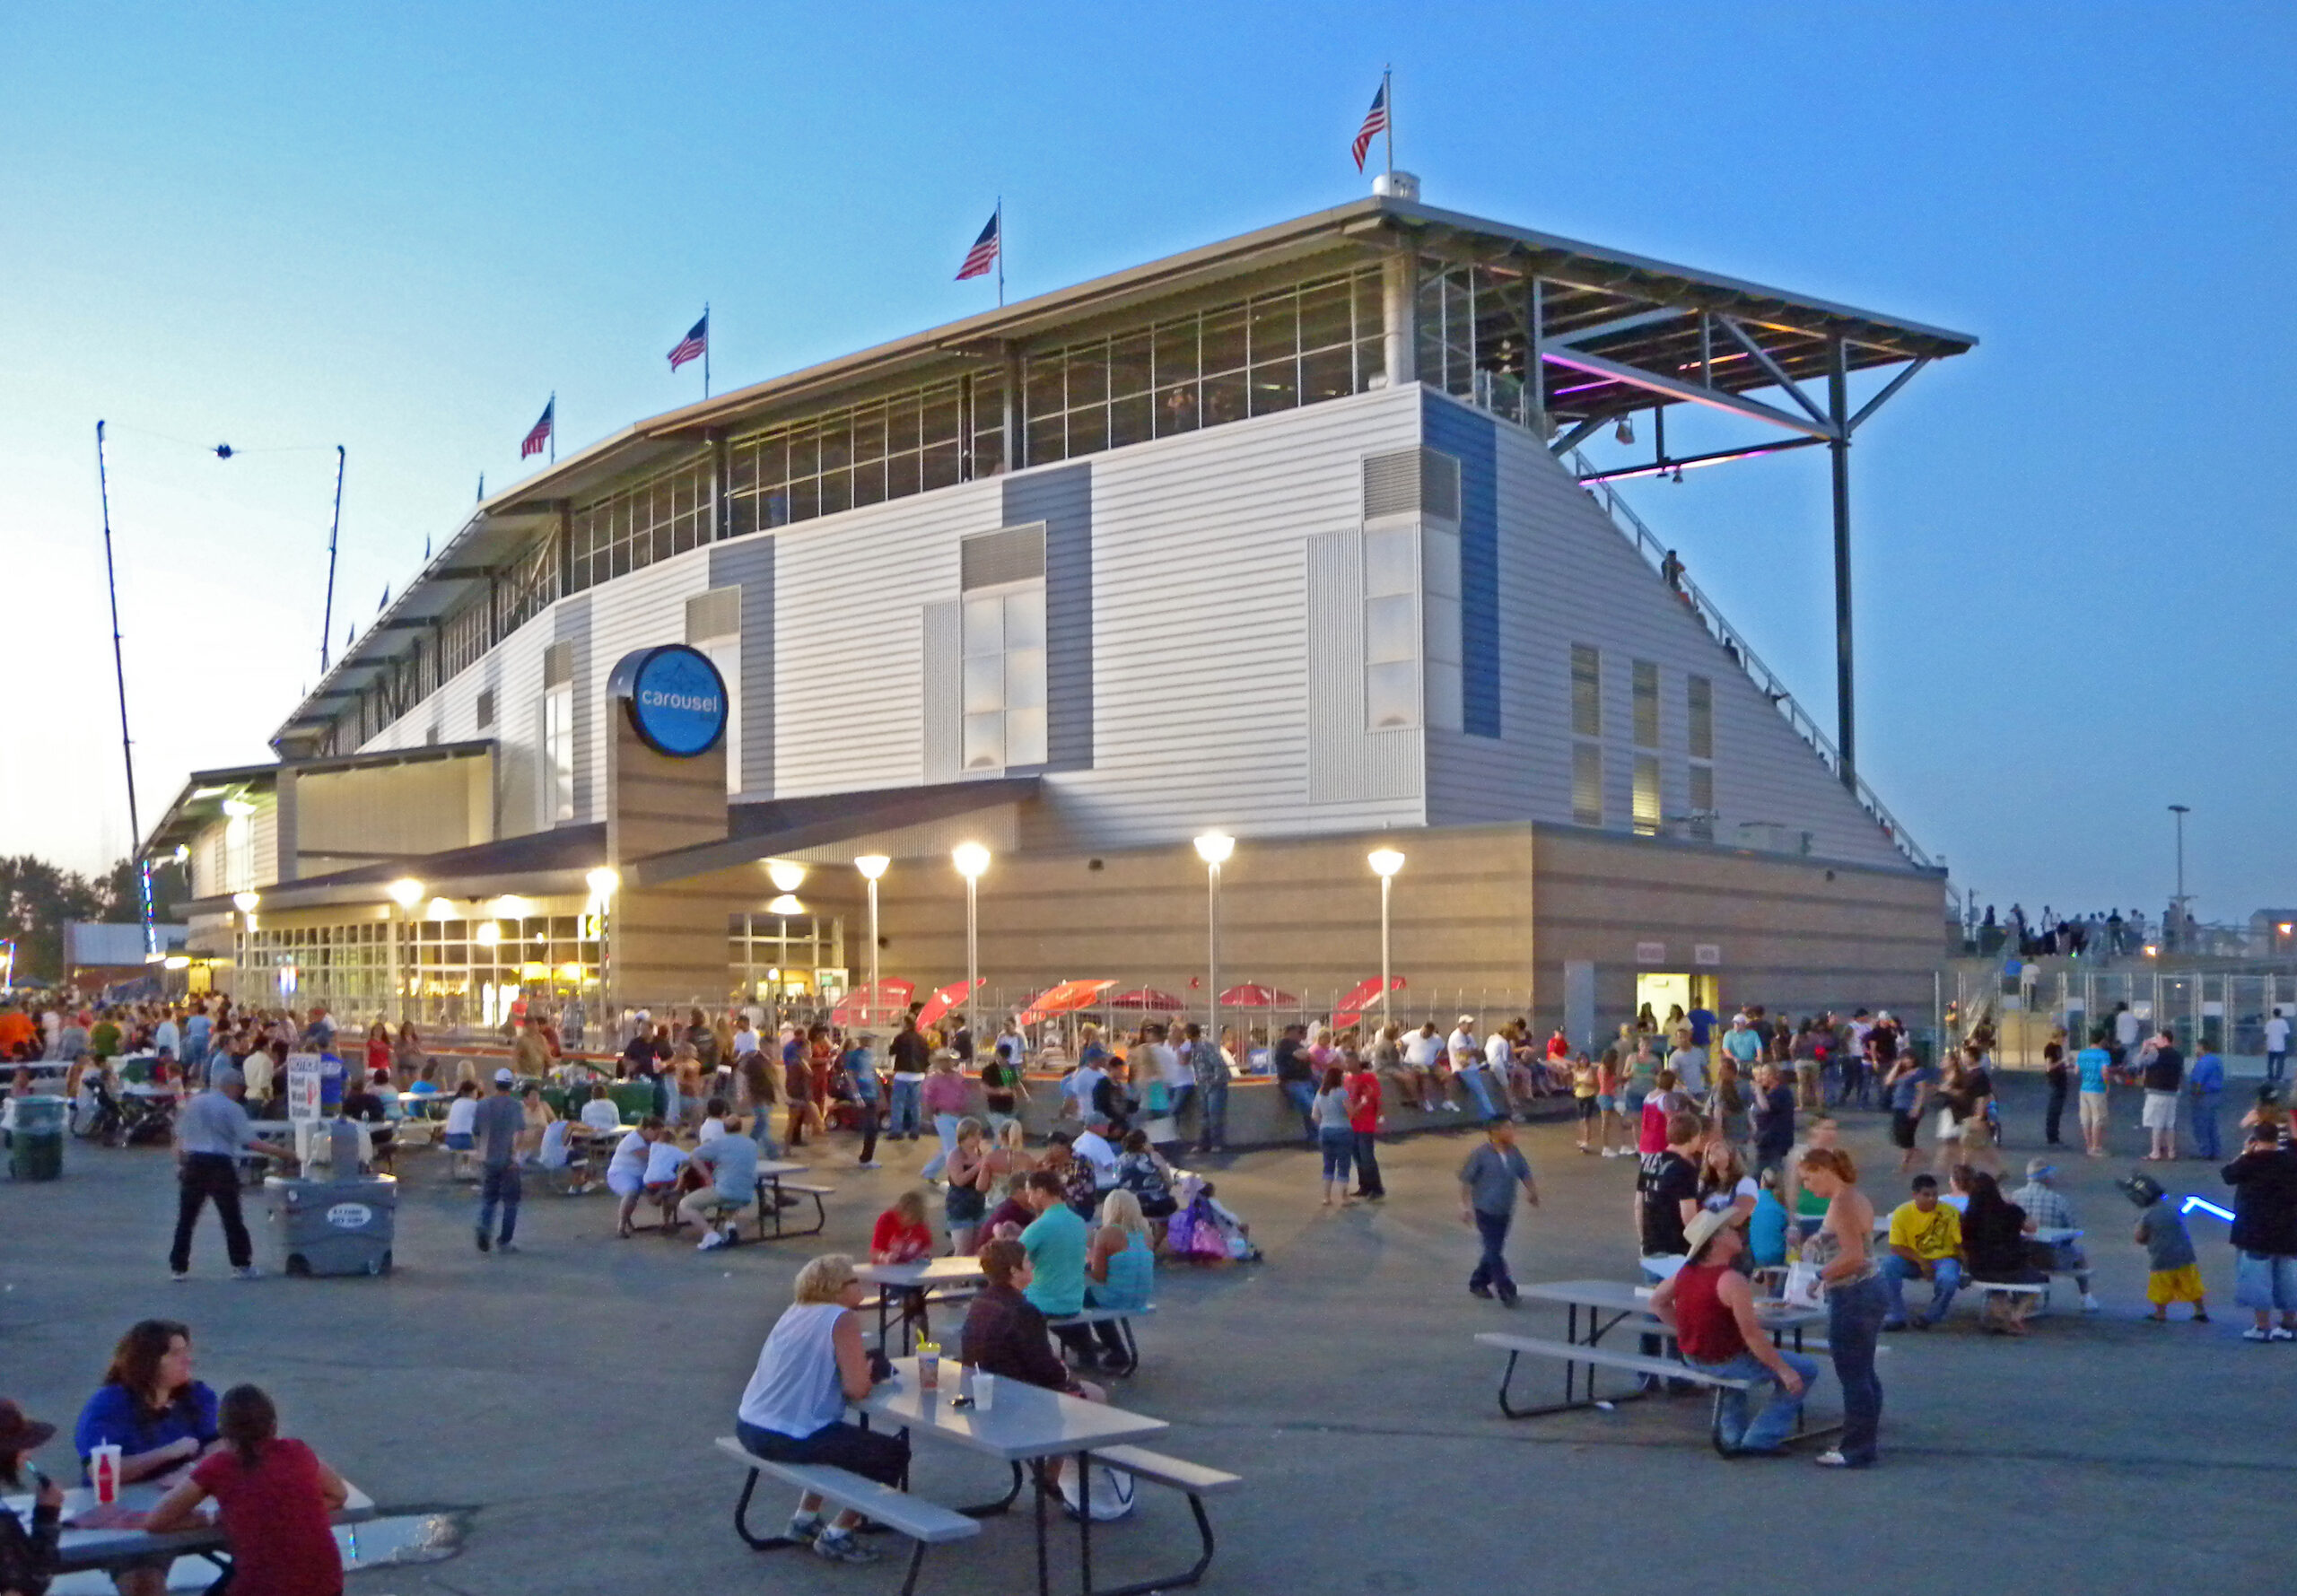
x: 495, y: 1131
x: 1925, y: 1243
x: 1711, y: 1308
x: 1296, y: 1074
x: 1488, y: 1183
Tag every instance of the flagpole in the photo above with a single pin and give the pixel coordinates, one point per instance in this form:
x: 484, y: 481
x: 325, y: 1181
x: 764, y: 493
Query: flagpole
x: 1388, y: 98
x: 553, y: 426
x: 1001, y: 252
x: 705, y: 349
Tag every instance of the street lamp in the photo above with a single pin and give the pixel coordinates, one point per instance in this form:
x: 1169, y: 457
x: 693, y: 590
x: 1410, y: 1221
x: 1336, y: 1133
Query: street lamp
x: 407, y: 892
x: 872, y: 866
x: 1384, y: 862
x: 971, y: 859
x: 1214, y: 849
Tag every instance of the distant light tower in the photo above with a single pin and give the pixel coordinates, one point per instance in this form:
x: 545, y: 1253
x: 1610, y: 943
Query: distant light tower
x: 1385, y: 862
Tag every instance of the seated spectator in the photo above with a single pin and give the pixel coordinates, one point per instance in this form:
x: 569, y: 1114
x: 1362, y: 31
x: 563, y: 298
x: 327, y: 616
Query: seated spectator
x: 1057, y: 1241
x: 1710, y: 1306
x: 601, y: 1113
x: 1766, y: 1226
x: 1005, y: 1331
x: 1142, y: 1171
x: 1924, y: 1243
x: 902, y: 1234
x: 713, y: 1122
x: 557, y: 1157
x: 273, y: 1499
x: 626, y: 1171
x: 27, y: 1551
x: 535, y: 1117
x: 1120, y: 1262
x: 364, y: 1102
x: 462, y: 1117
x: 729, y: 1164
x: 1093, y: 1147
x: 1010, y: 1218
x: 2048, y: 1210
x: 160, y: 1418
x: 666, y: 1163
x: 1994, y: 1235
x: 793, y: 1409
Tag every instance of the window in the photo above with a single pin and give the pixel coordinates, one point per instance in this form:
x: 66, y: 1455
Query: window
x: 905, y: 444
x: 1277, y: 351
x: 1701, y: 697
x: 1702, y: 802
x: 554, y: 801
x: 1587, y: 783
x: 1391, y: 629
x: 1587, y: 692
x: 627, y: 531
x: 1649, y: 814
x: 1004, y: 688
x: 1646, y: 704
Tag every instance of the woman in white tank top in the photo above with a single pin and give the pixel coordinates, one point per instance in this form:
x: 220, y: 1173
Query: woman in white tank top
x: 793, y: 1411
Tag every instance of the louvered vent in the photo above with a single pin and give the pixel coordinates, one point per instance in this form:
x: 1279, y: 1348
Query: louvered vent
x: 1412, y: 482
x: 485, y: 708
x: 1016, y: 554
x: 715, y: 613
x: 558, y: 665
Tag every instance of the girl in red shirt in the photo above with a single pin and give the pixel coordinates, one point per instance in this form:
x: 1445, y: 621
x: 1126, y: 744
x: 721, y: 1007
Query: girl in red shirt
x: 272, y: 1497
x: 903, y: 1236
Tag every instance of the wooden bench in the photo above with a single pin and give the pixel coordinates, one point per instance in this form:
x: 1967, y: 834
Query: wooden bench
x: 924, y: 1522
x: 1574, y: 1353
x: 771, y: 1187
x: 1121, y: 1318
x: 1193, y: 1480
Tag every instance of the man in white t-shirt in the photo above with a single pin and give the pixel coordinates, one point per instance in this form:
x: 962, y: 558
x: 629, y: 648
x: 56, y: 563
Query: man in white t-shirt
x: 2276, y: 1046
x: 1423, y: 1050
x: 1093, y: 1145
x: 1690, y: 1065
x: 1165, y: 1061
x: 1499, y: 1065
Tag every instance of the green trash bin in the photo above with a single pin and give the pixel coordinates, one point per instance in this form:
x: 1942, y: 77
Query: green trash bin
x: 633, y: 1100
x: 36, y: 1143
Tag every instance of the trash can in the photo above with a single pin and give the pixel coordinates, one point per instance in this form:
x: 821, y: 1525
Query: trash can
x: 36, y: 1143
x: 633, y: 1100
x: 332, y: 1227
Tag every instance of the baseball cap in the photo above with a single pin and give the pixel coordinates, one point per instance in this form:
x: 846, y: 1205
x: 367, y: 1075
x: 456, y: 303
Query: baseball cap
x: 2036, y: 1168
x: 503, y: 1078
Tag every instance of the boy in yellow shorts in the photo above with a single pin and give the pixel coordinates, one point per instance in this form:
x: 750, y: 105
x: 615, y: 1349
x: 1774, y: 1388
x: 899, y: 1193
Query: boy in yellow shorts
x: 2175, y: 1267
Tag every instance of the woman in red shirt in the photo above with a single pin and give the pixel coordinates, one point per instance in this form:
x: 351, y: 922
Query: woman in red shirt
x: 903, y: 1236
x: 272, y: 1497
x: 1363, y: 1085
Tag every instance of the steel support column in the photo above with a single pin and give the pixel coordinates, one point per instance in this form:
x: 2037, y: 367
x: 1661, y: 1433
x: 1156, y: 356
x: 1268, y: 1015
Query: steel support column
x: 1838, y: 454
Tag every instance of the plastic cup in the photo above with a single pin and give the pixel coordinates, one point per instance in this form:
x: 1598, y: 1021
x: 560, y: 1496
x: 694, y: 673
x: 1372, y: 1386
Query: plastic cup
x: 929, y: 1366
x: 984, y: 1391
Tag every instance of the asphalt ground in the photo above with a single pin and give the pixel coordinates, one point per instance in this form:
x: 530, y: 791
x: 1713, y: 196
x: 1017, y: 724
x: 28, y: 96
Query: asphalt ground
x: 564, y: 1399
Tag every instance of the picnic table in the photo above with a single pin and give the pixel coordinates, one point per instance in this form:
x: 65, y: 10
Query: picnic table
x: 911, y: 1281
x: 1607, y: 1304
x: 1027, y: 1424
x: 117, y: 1545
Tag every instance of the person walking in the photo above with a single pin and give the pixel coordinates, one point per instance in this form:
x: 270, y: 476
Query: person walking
x: 495, y: 1132
x: 860, y: 1067
x: 2276, y: 1047
x: 211, y: 1133
x: 1857, y: 1301
x: 1488, y: 1182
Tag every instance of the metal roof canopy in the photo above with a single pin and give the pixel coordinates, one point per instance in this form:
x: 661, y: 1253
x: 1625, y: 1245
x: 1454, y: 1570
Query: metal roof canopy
x: 1614, y: 332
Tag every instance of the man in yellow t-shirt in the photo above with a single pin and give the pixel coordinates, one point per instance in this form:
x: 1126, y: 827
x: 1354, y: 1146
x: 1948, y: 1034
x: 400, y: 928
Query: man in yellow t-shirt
x: 1925, y: 1243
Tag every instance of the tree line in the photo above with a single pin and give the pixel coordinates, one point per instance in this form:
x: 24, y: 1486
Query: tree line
x: 37, y: 898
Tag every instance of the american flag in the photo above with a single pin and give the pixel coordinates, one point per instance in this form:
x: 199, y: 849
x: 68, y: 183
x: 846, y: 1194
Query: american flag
x: 1376, y: 122
x: 540, y: 435
x: 690, y: 347
x: 983, y: 253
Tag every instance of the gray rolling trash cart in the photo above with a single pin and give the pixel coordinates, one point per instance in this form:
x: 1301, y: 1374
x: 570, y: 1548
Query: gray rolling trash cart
x: 332, y: 1227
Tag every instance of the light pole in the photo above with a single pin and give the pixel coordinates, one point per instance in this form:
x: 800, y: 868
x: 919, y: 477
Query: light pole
x: 1384, y: 862
x: 2181, y: 811
x: 407, y: 892
x: 872, y: 866
x: 1214, y: 849
x: 971, y: 859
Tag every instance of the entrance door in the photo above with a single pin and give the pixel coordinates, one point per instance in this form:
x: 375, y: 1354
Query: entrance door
x: 1664, y: 993
x: 1579, y: 1003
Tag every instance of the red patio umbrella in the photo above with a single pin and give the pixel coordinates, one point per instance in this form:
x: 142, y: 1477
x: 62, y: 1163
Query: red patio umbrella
x: 944, y: 1001
x: 865, y: 1006
x: 1360, y: 997
x: 1148, y: 998
x: 1067, y: 998
x: 1257, y: 997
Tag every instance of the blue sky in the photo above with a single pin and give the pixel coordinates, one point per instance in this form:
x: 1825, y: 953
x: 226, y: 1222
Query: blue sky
x: 290, y: 228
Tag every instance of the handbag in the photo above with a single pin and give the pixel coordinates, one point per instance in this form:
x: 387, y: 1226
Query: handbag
x: 1114, y: 1492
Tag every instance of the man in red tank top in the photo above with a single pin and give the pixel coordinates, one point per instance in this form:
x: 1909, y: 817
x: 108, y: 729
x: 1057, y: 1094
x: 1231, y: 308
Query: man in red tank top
x: 1711, y: 1308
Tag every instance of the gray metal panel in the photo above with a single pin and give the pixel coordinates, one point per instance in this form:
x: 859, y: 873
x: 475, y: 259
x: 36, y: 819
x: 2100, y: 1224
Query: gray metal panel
x: 747, y: 562
x: 988, y: 559
x: 569, y: 621
x: 1347, y: 763
x: 1061, y: 499
x: 943, y: 755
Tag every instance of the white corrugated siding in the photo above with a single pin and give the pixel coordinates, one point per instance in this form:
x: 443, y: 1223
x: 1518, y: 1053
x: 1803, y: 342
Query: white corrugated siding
x: 1567, y: 576
x: 1347, y: 762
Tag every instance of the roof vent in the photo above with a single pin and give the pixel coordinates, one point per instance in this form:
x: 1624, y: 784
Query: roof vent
x: 1397, y: 185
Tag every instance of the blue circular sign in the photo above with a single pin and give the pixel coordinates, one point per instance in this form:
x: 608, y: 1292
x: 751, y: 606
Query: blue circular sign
x: 675, y: 698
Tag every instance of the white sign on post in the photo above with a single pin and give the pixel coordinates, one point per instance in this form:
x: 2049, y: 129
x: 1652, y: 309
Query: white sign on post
x: 302, y: 1086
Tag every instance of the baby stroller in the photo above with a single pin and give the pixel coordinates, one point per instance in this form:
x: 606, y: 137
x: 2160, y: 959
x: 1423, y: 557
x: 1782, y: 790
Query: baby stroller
x: 146, y: 1116
x: 1204, y: 1230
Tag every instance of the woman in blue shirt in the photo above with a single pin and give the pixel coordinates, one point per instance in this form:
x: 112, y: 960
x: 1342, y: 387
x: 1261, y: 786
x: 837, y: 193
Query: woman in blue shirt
x: 860, y: 1067
x: 159, y: 1416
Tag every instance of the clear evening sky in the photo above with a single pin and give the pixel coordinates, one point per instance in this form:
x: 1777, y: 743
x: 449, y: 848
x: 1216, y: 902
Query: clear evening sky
x: 285, y: 227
